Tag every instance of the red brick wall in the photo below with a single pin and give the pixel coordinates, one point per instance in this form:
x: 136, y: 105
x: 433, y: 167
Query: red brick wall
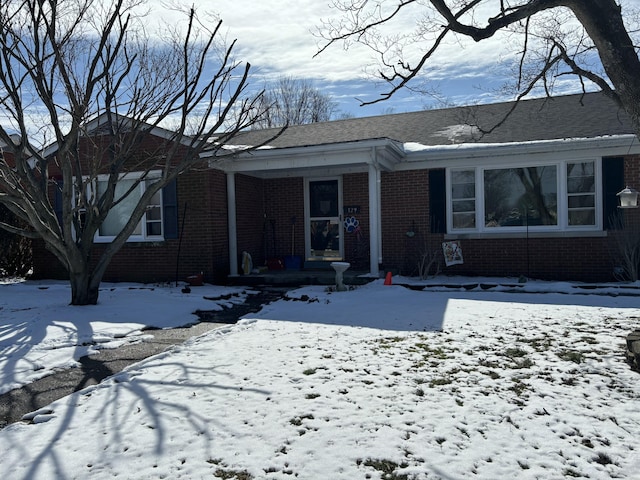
x: 577, y: 258
x: 284, y: 199
x: 405, y: 201
x: 250, y: 217
x: 355, y: 193
x: 204, y: 246
x: 264, y: 215
x: 405, y: 207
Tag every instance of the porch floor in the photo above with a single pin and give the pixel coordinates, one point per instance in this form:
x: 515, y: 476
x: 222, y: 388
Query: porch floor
x: 300, y: 277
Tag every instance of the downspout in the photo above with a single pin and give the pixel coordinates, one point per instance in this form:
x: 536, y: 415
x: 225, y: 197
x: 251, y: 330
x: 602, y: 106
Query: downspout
x: 231, y: 223
x: 379, y: 190
x: 374, y: 216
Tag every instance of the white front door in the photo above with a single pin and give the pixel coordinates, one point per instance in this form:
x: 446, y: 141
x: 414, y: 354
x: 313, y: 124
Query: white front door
x: 323, y: 212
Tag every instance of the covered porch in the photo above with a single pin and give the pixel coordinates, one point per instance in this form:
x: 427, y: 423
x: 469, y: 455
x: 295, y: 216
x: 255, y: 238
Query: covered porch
x: 295, y: 210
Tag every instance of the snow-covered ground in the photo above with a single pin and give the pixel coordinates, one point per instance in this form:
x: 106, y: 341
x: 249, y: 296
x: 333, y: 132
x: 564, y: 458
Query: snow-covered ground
x: 377, y: 382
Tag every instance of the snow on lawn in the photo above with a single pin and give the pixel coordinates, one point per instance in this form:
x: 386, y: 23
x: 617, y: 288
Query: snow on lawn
x: 40, y: 332
x: 378, y: 382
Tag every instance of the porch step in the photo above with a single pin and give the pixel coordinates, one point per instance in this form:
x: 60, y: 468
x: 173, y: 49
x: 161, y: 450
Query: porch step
x: 317, y: 265
x: 316, y: 276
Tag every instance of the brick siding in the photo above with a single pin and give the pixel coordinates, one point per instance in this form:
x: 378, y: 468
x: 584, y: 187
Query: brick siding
x: 265, y: 209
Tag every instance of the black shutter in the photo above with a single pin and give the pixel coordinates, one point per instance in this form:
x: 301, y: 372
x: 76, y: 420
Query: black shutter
x: 612, y: 183
x: 437, y: 201
x: 170, y: 210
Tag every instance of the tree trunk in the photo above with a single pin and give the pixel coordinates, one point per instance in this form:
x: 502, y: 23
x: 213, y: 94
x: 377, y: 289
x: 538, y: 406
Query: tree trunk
x: 84, y: 289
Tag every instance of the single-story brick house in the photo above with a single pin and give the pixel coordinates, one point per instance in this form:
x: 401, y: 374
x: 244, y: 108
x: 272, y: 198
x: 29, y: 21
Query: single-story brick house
x: 532, y: 193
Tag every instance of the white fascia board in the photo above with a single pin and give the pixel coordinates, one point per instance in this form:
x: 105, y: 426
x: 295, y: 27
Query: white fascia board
x: 431, y: 156
x: 310, y: 157
x: 154, y: 130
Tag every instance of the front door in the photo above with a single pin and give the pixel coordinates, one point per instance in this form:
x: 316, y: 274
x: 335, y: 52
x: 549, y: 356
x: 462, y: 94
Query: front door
x: 323, y: 207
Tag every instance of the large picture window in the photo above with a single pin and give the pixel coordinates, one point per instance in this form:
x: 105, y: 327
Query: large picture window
x: 150, y: 226
x: 559, y: 196
x: 518, y: 197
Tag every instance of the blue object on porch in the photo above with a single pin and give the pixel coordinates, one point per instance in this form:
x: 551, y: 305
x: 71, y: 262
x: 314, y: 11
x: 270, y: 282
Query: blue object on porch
x: 292, y: 262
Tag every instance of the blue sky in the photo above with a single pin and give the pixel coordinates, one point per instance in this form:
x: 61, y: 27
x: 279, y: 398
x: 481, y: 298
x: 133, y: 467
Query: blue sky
x: 276, y: 37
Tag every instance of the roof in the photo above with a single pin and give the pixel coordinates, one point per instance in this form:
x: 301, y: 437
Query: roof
x: 588, y: 115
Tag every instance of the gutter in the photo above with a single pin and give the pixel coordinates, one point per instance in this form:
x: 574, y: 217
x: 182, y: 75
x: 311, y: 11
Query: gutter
x: 627, y: 144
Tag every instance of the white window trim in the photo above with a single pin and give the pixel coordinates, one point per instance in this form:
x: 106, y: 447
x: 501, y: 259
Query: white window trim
x: 143, y: 237
x: 563, y: 217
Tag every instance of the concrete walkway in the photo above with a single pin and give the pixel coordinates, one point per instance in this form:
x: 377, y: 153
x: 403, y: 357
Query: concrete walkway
x: 95, y: 368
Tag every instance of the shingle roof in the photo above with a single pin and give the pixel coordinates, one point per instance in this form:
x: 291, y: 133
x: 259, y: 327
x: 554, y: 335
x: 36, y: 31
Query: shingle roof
x: 571, y: 116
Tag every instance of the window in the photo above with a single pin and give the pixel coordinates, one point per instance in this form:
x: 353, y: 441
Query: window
x: 463, y: 198
x: 151, y: 224
x: 544, y: 197
x: 581, y: 193
x: 520, y: 197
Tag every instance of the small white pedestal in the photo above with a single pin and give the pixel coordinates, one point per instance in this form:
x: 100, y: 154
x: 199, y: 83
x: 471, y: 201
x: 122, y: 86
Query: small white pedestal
x: 340, y: 268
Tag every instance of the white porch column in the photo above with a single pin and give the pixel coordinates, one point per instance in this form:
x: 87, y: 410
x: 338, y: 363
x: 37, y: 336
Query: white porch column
x: 374, y: 219
x: 231, y: 222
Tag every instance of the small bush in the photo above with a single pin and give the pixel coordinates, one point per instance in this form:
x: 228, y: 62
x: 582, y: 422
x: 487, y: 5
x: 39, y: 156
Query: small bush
x: 15, y: 250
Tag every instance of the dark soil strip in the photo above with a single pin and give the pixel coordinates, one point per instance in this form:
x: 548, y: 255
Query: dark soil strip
x: 95, y: 368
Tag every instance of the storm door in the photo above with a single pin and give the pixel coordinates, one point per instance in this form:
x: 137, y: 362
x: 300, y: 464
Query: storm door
x: 324, y: 220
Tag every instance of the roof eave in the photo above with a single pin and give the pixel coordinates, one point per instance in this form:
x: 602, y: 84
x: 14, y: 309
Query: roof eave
x: 387, y: 153
x: 626, y: 144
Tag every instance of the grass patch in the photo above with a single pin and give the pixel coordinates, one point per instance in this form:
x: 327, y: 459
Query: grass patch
x: 589, y: 340
x: 570, y: 472
x: 539, y: 344
x: 387, y: 342
x: 431, y: 353
x: 515, y: 353
x: 297, y: 421
x: 232, y: 474
x: 524, y: 363
x: 483, y: 362
x: 571, y: 356
x: 518, y: 387
x: 223, y: 473
x: 603, y: 459
x: 440, y: 381
x: 387, y: 468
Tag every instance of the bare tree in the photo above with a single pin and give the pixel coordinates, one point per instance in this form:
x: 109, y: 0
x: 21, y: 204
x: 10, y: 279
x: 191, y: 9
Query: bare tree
x: 554, y: 38
x: 294, y: 101
x: 83, y: 86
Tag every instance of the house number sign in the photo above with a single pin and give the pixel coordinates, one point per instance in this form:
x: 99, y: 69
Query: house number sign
x: 352, y: 210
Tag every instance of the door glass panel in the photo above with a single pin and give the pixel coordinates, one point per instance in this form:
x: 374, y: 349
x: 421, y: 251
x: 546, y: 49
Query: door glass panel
x: 323, y: 198
x: 325, y: 238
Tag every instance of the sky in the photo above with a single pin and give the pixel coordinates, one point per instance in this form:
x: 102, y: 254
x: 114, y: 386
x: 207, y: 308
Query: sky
x: 280, y: 38
x: 484, y: 382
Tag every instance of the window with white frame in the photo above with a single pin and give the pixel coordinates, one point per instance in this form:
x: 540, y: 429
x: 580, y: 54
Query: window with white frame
x: 463, y: 198
x: 150, y: 227
x: 539, y: 197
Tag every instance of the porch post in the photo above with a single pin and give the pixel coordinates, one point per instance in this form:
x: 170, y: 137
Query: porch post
x: 374, y: 219
x: 231, y: 223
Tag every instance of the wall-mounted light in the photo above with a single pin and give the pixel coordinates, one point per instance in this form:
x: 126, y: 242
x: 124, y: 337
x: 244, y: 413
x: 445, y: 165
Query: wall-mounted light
x: 628, y: 198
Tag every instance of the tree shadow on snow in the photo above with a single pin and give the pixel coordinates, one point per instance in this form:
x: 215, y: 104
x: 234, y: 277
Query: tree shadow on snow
x: 131, y: 418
